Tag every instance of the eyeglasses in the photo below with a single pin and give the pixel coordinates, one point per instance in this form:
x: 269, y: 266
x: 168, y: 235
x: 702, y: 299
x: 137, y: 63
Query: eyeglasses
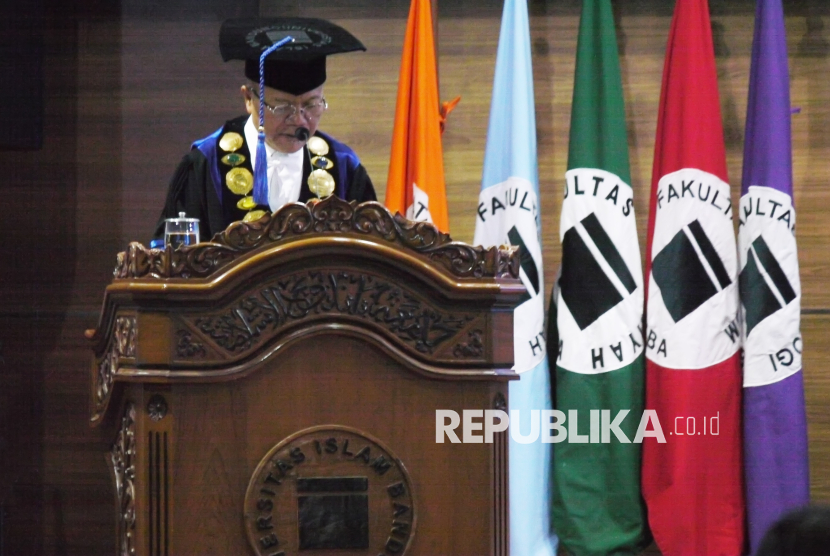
x: 311, y: 110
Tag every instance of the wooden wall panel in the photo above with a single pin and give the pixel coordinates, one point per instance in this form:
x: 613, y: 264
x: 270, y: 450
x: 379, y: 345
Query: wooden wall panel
x: 817, y: 393
x: 130, y: 84
x: 59, y: 224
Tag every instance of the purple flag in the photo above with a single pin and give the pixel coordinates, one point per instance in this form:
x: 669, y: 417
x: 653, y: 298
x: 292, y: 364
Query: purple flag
x: 775, y: 424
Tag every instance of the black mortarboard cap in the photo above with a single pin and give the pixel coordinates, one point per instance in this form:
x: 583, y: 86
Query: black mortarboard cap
x: 298, y: 66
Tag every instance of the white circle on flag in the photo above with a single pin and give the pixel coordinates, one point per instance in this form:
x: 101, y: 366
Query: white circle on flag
x: 601, y: 259
x: 770, y: 286
x: 508, y: 215
x: 692, y: 314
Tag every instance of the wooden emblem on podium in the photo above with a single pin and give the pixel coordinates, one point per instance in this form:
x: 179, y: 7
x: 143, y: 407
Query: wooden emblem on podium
x: 330, y: 487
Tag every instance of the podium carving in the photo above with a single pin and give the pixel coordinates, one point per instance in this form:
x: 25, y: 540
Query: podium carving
x: 274, y: 391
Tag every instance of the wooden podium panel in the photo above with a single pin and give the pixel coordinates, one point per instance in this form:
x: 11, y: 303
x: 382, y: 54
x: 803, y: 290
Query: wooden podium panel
x: 274, y: 391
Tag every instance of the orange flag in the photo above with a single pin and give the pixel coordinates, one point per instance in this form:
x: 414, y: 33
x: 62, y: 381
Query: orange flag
x: 415, y: 186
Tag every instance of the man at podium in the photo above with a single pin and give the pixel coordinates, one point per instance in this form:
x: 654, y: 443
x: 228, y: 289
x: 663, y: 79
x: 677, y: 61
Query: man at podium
x: 215, y: 181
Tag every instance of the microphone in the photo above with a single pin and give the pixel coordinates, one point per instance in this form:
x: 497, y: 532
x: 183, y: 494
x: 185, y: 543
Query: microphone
x: 301, y: 133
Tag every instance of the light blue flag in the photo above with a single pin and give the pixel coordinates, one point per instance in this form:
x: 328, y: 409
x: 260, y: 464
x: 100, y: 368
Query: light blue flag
x: 508, y: 213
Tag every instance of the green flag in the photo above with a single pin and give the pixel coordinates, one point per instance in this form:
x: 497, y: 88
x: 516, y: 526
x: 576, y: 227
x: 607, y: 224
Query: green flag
x: 598, y: 313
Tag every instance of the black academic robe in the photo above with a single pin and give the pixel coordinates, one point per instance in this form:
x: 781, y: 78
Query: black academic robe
x: 199, y: 188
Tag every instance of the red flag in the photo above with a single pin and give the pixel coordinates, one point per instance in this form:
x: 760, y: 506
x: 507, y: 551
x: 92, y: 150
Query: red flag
x: 415, y: 186
x: 692, y: 483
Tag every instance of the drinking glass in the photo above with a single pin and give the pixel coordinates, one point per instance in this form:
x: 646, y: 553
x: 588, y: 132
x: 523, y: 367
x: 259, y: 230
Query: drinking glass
x: 181, y: 231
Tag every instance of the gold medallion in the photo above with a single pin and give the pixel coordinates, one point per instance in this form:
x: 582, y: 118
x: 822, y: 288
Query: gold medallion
x: 318, y: 146
x: 254, y: 215
x: 246, y: 203
x: 322, y: 162
x: 233, y: 159
x: 240, y: 181
x: 231, y: 141
x: 321, y: 183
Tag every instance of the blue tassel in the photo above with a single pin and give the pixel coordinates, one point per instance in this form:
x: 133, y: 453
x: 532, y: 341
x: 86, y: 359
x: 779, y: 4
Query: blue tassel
x: 261, y: 172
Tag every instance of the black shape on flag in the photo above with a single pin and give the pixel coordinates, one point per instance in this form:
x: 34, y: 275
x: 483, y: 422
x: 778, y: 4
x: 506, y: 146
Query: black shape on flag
x: 758, y: 298
x: 586, y: 289
x: 525, y: 261
x: 684, y: 281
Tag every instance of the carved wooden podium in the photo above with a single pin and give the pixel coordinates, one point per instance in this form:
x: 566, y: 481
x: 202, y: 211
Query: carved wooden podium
x: 274, y: 391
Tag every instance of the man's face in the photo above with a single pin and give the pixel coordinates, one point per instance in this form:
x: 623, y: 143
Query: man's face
x: 279, y: 130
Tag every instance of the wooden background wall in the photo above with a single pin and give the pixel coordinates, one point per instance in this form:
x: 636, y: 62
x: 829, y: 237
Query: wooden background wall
x: 129, y: 85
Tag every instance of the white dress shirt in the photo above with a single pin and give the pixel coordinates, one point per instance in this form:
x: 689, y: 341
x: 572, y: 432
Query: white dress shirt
x: 285, y: 171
